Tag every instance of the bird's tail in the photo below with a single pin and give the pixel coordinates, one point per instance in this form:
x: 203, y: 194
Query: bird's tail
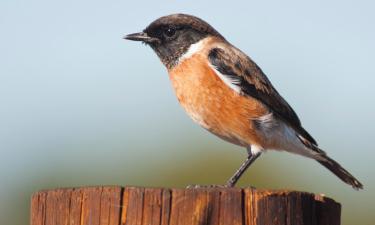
x: 340, y: 172
x: 331, y: 164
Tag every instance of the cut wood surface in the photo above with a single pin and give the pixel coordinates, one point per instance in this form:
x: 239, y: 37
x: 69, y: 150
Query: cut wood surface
x: 197, y: 206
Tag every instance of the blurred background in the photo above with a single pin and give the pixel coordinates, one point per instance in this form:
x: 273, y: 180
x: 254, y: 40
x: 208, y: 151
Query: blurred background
x: 81, y: 106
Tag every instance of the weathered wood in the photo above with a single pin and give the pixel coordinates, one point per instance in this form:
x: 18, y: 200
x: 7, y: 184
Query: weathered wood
x: 198, y: 206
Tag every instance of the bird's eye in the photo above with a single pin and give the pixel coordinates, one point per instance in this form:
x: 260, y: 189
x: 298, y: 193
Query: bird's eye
x: 169, y: 32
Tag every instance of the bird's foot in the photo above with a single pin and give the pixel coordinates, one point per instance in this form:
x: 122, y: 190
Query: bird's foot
x: 249, y: 187
x: 192, y: 186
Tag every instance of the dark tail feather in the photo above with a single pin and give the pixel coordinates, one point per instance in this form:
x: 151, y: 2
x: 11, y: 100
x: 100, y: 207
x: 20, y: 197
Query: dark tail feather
x: 339, y: 171
x: 332, y: 165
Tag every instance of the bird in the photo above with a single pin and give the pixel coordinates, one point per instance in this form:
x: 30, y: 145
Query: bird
x: 226, y: 92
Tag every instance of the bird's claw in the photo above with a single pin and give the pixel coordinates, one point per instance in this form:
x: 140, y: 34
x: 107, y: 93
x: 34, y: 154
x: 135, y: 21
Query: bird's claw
x: 192, y: 186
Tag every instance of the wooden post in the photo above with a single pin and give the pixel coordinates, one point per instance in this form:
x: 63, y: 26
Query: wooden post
x: 198, y: 206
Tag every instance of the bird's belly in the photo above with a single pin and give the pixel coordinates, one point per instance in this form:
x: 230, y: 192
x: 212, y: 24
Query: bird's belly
x: 213, y: 105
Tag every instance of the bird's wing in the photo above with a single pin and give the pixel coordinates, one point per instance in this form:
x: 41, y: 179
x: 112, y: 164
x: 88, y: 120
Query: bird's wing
x: 247, y: 78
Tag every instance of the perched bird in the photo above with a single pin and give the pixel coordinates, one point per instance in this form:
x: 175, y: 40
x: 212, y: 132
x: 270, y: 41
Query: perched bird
x: 225, y: 92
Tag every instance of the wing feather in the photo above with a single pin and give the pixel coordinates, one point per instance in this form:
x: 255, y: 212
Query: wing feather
x: 253, y: 82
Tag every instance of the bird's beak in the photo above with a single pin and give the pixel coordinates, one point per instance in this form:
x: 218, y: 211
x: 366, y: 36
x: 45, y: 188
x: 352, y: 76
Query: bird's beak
x: 141, y: 36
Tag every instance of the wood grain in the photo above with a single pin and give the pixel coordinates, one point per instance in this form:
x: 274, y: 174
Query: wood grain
x: 199, y: 206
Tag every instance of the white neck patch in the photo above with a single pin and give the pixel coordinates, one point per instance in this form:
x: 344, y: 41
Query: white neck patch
x: 194, y: 48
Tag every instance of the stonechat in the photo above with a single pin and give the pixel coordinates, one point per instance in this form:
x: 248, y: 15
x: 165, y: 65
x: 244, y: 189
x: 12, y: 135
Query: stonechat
x: 225, y: 92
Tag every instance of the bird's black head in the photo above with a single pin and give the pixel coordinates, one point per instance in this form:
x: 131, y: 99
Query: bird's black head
x: 171, y: 36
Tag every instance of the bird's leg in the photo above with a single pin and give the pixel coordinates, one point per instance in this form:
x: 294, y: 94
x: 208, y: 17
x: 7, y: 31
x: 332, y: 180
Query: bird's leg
x: 249, y: 160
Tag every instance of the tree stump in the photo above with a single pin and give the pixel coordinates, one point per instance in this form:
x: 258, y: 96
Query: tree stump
x: 197, y: 206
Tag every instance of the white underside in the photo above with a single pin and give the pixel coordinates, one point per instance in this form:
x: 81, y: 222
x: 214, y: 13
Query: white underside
x: 283, y: 137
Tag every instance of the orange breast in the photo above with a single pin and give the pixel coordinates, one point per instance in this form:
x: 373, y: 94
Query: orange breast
x: 214, y: 105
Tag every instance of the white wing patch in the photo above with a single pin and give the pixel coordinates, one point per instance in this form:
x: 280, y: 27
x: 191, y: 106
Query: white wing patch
x: 232, y: 82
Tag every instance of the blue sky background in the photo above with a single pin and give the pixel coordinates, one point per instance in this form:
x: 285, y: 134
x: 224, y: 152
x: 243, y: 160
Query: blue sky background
x: 81, y: 106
